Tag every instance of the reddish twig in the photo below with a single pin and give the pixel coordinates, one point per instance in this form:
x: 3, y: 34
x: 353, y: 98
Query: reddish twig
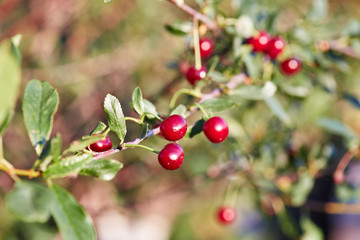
x: 234, y: 82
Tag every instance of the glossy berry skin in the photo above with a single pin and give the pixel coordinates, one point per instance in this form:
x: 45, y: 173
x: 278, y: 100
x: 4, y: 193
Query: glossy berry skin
x: 216, y: 129
x: 290, y: 66
x: 226, y: 215
x: 171, y: 156
x: 101, y: 145
x: 275, y: 47
x: 173, y: 128
x: 260, y: 42
x: 206, y: 47
x: 193, y: 75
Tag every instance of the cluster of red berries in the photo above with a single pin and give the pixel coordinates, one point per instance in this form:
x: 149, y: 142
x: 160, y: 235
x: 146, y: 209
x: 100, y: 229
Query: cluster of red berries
x: 206, y: 50
x: 273, y: 47
x: 174, y: 128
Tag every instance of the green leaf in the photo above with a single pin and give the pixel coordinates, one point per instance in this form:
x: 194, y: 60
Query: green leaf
x: 105, y: 169
x: 276, y: 107
x: 30, y: 201
x: 15, y: 43
x: 336, y: 127
x: 301, y: 189
x: 255, y: 92
x: 116, y: 119
x: 150, y: 108
x: 179, y: 110
x: 144, y: 132
x: 106, y: 1
x: 197, y: 128
x: 68, y: 166
x: 319, y: 10
x: 72, y: 220
x: 39, y: 106
x: 296, y: 90
x: 217, y: 76
x: 137, y: 101
x: 85, y: 141
x: 216, y: 105
x: 10, y: 76
x: 180, y: 28
x: 310, y: 229
x: 100, y: 127
x: 51, y: 152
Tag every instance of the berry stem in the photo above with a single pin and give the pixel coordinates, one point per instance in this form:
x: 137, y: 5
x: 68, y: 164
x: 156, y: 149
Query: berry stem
x: 196, y: 44
x: 135, y: 120
x: 179, y: 93
x: 127, y: 145
x: 206, y: 115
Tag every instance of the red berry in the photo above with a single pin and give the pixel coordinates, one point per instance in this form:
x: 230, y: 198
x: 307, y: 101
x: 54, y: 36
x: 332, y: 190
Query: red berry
x: 193, y: 75
x: 216, y: 129
x: 206, y: 47
x: 260, y: 42
x: 226, y: 215
x: 171, y: 156
x: 290, y: 66
x: 173, y: 128
x: 275, y: 47
x: 338, y: 177
x: 101, y: 145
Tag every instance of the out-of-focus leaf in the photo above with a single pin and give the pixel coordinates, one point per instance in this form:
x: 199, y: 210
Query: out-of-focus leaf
x: 345, y: 193
x: 179, y: 110
x: 116, y: 119
x: 197, y: 128
x: 81, y: 144
x: 253, y: 65
x: 105, y: 169
x: 302, y: 35
x: 217, y: 76
x: 255, y: 92
x: 352, y: 28
x: 15, y: 44
x: 100, y: 127
x: 180, y: 28
x: 336, y: 127
x: 310, y: 229
x: 355, y: 44
x: 352, y: 99
x: 276, y: 107
x: 150, y: 108
x: 137, y: 101
x: 68, y: 166
x: 70, y: 217
x: 301, y: 190
x: 216, y: 105
x: 30, y: 201
x: 10, y: 76
x: 319, y: 10
x: 39, y: 106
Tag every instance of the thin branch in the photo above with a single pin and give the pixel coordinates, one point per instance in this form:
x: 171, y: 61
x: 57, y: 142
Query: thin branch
x: 339, y: 47
x: 186, y: 8
x: 234, y: 82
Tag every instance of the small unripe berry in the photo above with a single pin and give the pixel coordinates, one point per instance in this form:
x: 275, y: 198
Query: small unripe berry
x: 193, y: 75
x: 290, y: 66
x: 101, y: 145
x: 275, y: 47
x: 206, y: 47
x: 216, y: 129
x: 171, y: 156
x: 226, y: 215
x: 173, y: 128
x: 259, y: 43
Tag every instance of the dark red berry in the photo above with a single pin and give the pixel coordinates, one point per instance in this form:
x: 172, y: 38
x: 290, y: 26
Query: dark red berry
x: 290, y: 66
x: 216, y: 129
x: 193, y: 75
x: 173, y: 128
x: 226, y: 215
x: 206, y: 47
x: 259, y: 42
x: 171, y: 156
x: 275, y: 47
x: 101, y: 145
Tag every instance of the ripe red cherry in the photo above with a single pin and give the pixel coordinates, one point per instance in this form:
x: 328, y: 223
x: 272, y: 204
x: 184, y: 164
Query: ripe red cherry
x: 260, y: 42
x: 193, y: 75
x: 290, y: 66
x: 275, y: 47
x: 101, y: 145
x: 226, y: 215
x: 216, y: 129
x: 171, y: 156
x: 206, y: 47
x: 173, y: 128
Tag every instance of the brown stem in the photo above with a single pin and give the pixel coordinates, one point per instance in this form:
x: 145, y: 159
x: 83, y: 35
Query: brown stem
x: 234, y: 82
x: 186, y: 8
